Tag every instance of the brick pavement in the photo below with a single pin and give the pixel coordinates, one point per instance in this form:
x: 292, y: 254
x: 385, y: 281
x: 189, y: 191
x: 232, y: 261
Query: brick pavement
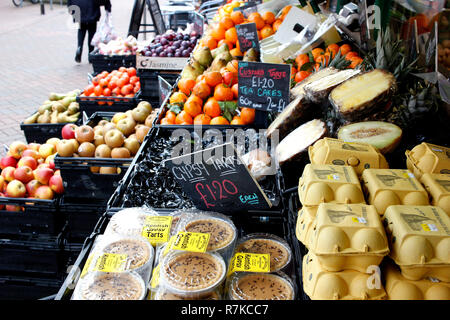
x: 37, y: 58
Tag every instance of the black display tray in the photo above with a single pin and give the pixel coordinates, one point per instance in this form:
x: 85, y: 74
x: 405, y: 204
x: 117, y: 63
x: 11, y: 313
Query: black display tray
x: 27, y: 288
x: 102, y: 62
x: 90, y: 105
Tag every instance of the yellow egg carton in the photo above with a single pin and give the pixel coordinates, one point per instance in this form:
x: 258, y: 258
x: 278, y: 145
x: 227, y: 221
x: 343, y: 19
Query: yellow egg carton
x: 428, y: 158
x: 305, y: 224
x: 399, y: 288
x: 319, y: 284
x: 348, y: 236
x: 387, y: 187
x: 360, y: 156
x: 438, y: 187
x: 419, y: 239
x: 321, y: 183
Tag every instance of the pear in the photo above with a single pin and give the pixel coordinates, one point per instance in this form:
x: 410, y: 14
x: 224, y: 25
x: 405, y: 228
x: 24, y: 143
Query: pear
x: 73, y: 108
x: 223, y: 48
x: 58, y: 106
x: 62, y: 117
x: 251, y: 55
x: 217, y: 65
x: 44, y: 107
x: 196, y: 65
x: 190, y: 73
x: 66, y: 101
x: 32, y: 119
x: 56, y: 96
x: 54, y: 117
x: 203, y: 56
x: 45, y: 117
x: 225, y: 56
x: 73, y: 118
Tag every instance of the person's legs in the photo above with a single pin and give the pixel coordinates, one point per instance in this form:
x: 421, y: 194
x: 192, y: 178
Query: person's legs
x: 92, y: 28
x: 81, y: 35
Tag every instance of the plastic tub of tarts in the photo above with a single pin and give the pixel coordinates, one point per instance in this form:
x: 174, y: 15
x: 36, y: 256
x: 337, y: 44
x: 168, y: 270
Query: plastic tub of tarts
x: 319, y: 284
x: 329, y: 183
x: 360, y: 156
x: 348, y: 236
x: 305, y: 223
x: 428, y: 158
x: 260, y: 286
x: 438, y: 187
x: 400, y: 288
x: 129, y: 221
x: 419, y: 238
x: 387, y: 187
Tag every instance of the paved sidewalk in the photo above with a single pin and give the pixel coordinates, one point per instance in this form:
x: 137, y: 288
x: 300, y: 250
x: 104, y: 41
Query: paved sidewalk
x: 37, y: 58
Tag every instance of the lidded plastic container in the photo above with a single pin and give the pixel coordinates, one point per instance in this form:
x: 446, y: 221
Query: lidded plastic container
x: 263, y: 243
x: 192, y: 274
x: 419, y: 238
x: 321, y: 183
x: 387, y: 187
x: 306, y: 221
x: 400, y: 288
x: 129, y: 221
x: 360, y: 156
x: 320, y: 284
x: 438, y: 187
x: 348, y: 236
x: 163, y: 294
x: 110, y: 286
x: 428, y: 158
x: 260, y: 286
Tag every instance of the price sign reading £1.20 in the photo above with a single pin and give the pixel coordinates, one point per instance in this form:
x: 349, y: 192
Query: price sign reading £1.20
x: 263, y: 86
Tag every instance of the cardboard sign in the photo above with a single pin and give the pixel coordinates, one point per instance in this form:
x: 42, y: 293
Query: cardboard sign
x: 164, y: 89
x: 294, y: 22
x: 247, y: 36
x: 263, y: 86
x: 217, y: 179
x: 160, y: 63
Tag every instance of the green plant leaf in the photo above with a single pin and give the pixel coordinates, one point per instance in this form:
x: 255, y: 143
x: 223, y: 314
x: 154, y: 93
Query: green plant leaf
x: 230, y: 106
x: 176, y: 107
x: 307, y: 66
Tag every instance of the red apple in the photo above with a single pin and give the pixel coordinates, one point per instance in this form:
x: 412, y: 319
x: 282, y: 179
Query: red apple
x: 24, y: 174
x: 17, y: 148
x: 16, y: 189
x: 10, y: 207
x: 32, y: 187
x: 68, y: 131
x: 43, y: 165
x: 51, y: 161
x: 57, y: 172
x: 8, y: 161
x: 34, y: 146
x: 56, y: 184
x: 43, y: 175
x: 44, y: 192
x: 2, y: 183
x: 31, y: 153
x: 8, y: 173
x: 27, y: 161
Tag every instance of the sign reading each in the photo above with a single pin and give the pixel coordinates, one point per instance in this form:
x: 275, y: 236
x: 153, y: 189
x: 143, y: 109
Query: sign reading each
x: 217, y: 179
x: 247, y: 36
x: 263, y: 86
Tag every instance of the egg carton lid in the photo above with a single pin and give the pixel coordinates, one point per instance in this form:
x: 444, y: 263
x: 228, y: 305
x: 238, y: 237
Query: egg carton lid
x: 306, y: 221
x: 438, y: 186
x: 430, y: 158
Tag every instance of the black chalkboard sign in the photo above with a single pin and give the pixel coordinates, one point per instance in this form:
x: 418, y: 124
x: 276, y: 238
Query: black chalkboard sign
x: 164, y: 89
x: 217, y: 179
x: 155, y: 12
x: 247, y: 36
x: 263, y: 86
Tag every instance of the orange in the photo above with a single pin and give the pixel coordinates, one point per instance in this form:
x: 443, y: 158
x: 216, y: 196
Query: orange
x: 171, y: 116
x: 227, y: 23
x: 235, y: 90
x: 231, y: 35
x: 344, y: 49
x: 237, y: 121
x: 301, y: 75
x: 256, y: 18
x: 193, y: 108
x: 333, y: 49
x: 212, y: 108
x: 223, y: 93
x: 202, y: 119
x: 166, y: 121
x: 183, y: 117
x: 232, y: 66
x: 323, y: 59
x: 210, y: 42
x: 201, y: 90
x: 267, y: 31
x: 186, y: 86
x: 229, y: 43
x: 301, y: 60
x: 293, y: 72
x: 269, y: 17
x: 317, y: 52
x: 350, y: 55
x: 237, y: 17
x: 248, y: 115
x: 218, y: 32
x: 236, y: 52
x: 356, y: 61
x: 259, y: 35
x: 219, y: 121
x: 286, y: 10
x: 213, y: 78
x: 177, y: 97
x: 276, y: 24
x: 193, y: 97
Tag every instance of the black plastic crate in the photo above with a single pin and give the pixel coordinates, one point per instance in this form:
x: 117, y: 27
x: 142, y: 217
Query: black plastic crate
x: 32, y: 255
x: 41, y: 132
x: 39, y: 217
x: 81, y: 217
x: 27, y: 288
x: 102, y: 62
x: 150, y: 84
x: 90, y: 105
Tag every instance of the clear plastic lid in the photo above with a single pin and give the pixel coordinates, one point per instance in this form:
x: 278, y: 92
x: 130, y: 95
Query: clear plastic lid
x: 110, y: 286
x: 129, y: 221
x: 163, y: 294
x: 260, y: 286
x: 263, y: 243
x: 192, y: 273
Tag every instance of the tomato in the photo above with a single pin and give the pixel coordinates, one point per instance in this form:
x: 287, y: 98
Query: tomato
x: 103, y: 83
x: 95, y: 81
x: 98, y: 91
x: 121, y: 82
x: 126, y: 89
x: 88, y: 90
x: 131, y: 72
x: 112, y: 84
x: 134, y: 79
x: 107, y: 92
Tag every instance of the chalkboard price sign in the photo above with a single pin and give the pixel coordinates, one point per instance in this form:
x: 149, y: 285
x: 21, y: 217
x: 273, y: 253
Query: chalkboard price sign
x: 263, y: 86
x: 217, y: 179
x: 247, y: 36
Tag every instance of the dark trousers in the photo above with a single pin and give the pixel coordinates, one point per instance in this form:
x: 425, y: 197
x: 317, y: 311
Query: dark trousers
x: 90, y: 28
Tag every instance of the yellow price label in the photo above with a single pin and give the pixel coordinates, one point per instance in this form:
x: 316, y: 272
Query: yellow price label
x: 157, y: 229
x: 111, y: 262
x: 249, y: 262
x: 429, y: 227
x: 191, y: 241
x: 168, y: 246
x: 359, y: 220
x: 155, y: 277
x: 87, y: 265
x: 333, y: 177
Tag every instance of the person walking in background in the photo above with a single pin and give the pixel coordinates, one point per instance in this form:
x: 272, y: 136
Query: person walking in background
x: 89, y: 16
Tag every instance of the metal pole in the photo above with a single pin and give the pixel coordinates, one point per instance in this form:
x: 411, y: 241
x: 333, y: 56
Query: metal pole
x: 145, y: 22
x: 42, y: 7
